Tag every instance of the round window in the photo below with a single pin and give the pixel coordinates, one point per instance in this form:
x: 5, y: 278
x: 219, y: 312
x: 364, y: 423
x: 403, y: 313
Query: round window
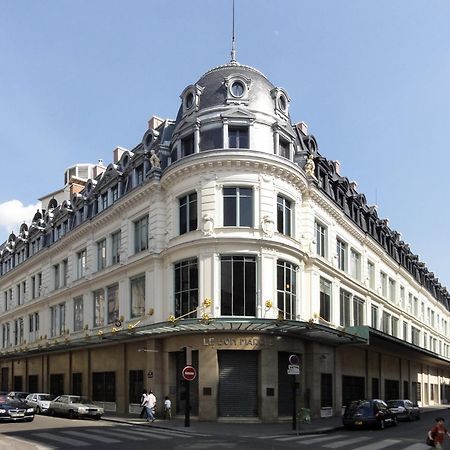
x: 148, y: 139
x: 189, y: 100
x: 237, y: 89
x: 282, y: 103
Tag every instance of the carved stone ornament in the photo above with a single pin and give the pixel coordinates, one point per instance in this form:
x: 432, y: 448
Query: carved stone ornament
x: 268, y: 226
x: 154, y: 160
x: 310, y: 167
x: 208, y: 225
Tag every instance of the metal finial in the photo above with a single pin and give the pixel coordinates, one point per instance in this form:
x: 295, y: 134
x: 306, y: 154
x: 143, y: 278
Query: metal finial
x: 233, y: 45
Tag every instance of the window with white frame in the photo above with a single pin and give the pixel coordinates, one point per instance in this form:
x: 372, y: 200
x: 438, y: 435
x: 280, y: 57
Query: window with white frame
x: 405, y: 331
x: 402, y: 297
x: 18, y: 331
x: 392, y: 292
x: 81, y: 263
x: 78, y: 313
x: 358, y: 311
x: 415, y: 306
x: 415, y: 336
x: 238, y: 206
x: 56, y: 276
x: 112, y: 299
x: 188, y: 213
x: 325, y: 299
x: 321, y: 239
x: 284, y: 215
x: 355, y: 264
x: 371, y: 274
x: 101, y: 254
x: 115, y: 247
x: 137, y: 292
x: 394, y: 326
x: 384, y: 284
x: 345, y: 308
x: 386, y: 322
x: 238, y: 285
x: 238, y: 136
x: 33, y: 327
x: 341, y: 251
x: 57, y: 320
x: 141, y: 234
x: 286, y: 289
x: 374, y: 316
x: 99, y: 307
x: 65, y: 272
x: 186, y: 288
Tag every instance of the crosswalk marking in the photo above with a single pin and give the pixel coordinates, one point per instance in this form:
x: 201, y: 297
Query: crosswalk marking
x: 129, y: 436
x: 417, y: 446
x: 274, y: 436
x: 93, y: 435
x: 62, y: 439
x: 309, y: 439
x: 344, y: 443
x: 149, y: 434
x: 380, y: 444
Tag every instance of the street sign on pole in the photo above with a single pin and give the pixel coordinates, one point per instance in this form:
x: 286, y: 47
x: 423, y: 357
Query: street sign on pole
x: 293, y: 369
x: 189, y: 373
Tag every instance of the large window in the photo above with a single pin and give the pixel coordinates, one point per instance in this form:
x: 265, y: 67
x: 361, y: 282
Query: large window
x: 384, y: 289
x: 341, y: 250
x: 112, y: 294
x: 188, y: 213
x: 371, y: 274
x: 374, y: 316
x: 321, y: 239
x: 101, y: 254
x: 141, y: 235
x: 326, y: 390
x: 284, y: 215
x: 187, y: 145
x: 358, y: 311
x: 33, y: 327
x: 57, y: 320
x: 345, y: 308
x: 238, y: 206
x: 238, y: 285
x: 81, y: 263
x: 186, y: 287
x: 115, y: 248
x: 99, y: 308
x: 355, y: 264
x: 137, y: 288
x: 136, y: 386
x: 286, y: 289
x: 238, y: 137
x: 211, y: 139
x: 78, y: 313
x: 325, y: 300
x: 104, y: 386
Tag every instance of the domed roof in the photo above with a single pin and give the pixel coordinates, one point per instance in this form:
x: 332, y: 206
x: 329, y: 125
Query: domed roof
x: 214, y: 91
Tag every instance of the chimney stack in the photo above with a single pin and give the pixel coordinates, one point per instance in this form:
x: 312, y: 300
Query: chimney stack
x: 337, y: 167
x: 154, y: 122
x: 303, y: 128
x: 117, y: 154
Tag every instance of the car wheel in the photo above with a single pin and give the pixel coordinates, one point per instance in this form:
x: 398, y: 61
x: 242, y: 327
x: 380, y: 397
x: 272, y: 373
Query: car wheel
x: 71, y: 414
x: 381, y: 424
x: 51, y: 412
x: 38, y: 410
x: 97, y: 417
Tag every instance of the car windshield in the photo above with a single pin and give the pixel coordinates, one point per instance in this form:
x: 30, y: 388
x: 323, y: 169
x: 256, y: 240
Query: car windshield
x: 394, y: 403
x: 359, y: 408
x: 46, y: 397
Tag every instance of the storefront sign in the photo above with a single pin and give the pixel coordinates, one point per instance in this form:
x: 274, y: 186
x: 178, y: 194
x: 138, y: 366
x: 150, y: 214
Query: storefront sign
x: 236, y: 341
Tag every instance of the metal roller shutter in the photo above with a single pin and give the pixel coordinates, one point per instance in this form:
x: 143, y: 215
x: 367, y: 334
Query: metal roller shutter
x: 238, y: 383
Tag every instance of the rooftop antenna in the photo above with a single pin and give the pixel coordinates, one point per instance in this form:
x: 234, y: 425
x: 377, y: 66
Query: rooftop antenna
x: 233, y: 46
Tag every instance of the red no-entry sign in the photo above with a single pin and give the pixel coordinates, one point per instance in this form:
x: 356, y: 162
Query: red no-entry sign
x: 189, y: 373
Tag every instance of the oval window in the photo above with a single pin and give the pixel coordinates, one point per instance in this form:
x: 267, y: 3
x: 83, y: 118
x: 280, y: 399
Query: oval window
x: 282, y: 103
x: 189, y: 100
x: 237, y: 89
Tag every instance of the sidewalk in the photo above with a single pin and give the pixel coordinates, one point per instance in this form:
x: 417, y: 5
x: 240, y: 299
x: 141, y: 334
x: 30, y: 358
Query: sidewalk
x: 250, y: 428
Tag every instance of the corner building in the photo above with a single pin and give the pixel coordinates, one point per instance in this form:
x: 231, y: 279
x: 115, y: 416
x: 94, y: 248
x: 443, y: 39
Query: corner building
x: 226, y: 232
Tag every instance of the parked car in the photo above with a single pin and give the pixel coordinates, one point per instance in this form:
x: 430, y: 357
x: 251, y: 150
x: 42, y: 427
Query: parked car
x: 373, y: 413
x: 39, y: 401
x: 74, y: 406
x: 15, y: 410
x: 17, y: 395
x: 404, y: 409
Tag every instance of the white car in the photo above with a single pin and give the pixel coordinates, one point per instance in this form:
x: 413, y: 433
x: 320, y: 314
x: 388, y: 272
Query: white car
x: 39, y: 401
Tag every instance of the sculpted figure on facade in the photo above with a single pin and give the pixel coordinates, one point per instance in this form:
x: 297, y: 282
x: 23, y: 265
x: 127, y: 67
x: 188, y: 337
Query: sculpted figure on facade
x: 154, y: 160
x: 268, y: 226
x: 208, y: 224
x: 310, y: 167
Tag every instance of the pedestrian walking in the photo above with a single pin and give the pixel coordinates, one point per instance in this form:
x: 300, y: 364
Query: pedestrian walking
x: 143, y: 414
x: 167, y: 408
x: 150, y: 406
x: 437, y: 433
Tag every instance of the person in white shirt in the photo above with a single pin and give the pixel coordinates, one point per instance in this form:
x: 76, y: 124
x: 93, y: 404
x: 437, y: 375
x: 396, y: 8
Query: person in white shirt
x: 150, y: 405
x: 167, y: 408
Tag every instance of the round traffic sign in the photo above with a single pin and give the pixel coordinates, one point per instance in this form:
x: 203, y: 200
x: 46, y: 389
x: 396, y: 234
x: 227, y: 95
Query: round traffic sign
x: 189, y: 373
x: 294, y: 359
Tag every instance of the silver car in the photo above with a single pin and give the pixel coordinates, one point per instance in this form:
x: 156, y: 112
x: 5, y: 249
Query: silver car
x: 39, y: 401
x: 404, y: 409
x: 74, y: 406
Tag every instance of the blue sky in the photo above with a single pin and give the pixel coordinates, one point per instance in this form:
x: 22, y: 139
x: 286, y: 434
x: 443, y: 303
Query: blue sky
x: 370, y: 78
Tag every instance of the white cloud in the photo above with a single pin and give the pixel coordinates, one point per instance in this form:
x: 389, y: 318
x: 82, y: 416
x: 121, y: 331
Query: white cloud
x: 12, y: 214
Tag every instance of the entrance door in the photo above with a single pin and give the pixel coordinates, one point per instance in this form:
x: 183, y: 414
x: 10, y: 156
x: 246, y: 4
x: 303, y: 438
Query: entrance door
x: 285, y: 385
x: 352, y: 389
x: 33, y: 383
x: 57, y: 384
x: 238, y: 383
x: 5, y: 379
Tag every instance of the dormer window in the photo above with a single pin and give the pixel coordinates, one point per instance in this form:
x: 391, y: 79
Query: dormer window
x: 238, y: 137
x: 187, y: 145
x: 190, y: 98
x: 148, y: 139
x: 238, y: 87
x: 281, y: 100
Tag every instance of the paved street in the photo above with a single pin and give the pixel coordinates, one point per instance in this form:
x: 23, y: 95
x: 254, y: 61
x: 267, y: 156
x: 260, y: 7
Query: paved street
x: 51, y: 433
